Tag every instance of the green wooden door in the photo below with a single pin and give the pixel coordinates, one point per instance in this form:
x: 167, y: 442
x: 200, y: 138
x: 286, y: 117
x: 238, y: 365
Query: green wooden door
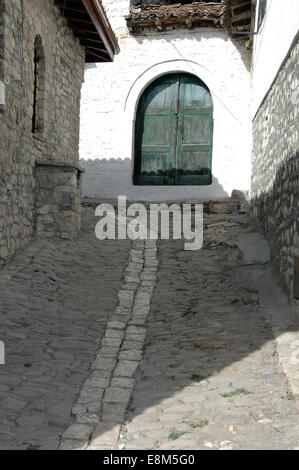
x: 174, y: 132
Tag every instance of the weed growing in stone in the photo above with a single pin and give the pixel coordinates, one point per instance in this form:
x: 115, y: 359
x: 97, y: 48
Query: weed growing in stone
x: 197, y: 378
x: 238, y: 391
x: 188, y: 312
x: 199, y: 425
x: 175, y: 435
x: 31, y: 446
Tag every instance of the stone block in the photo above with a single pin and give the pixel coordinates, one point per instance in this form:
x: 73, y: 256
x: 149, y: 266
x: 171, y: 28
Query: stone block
x: 72, y: 444
x: 80, y: 432
x: 105, y: 435
x: 126, y: 368
x: 117, y: 395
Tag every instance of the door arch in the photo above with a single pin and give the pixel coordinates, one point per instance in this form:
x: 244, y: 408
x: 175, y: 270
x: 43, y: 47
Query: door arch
x: 174, y: 132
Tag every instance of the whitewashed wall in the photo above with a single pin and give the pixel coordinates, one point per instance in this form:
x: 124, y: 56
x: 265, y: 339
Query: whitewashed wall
x: 110, y: 95
x: 271, y: 45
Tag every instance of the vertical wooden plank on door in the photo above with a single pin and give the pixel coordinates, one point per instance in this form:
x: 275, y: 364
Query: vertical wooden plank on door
x: 156, y: 133
x: 174, y: 133
x: 195, y: 132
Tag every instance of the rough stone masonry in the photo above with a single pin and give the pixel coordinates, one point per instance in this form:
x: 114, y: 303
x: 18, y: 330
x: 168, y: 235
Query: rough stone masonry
x: 39, y: 178
x: 275, y: 168
x: 113, y: 344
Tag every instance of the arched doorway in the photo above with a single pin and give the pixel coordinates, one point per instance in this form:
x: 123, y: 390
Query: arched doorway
x: 174, y: 132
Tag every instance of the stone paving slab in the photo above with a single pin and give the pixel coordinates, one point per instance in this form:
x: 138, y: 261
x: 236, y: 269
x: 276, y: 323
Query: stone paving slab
x: 55, y: 301
x: 216, y: 371
x: 114, y: 345
x: 126, y: 339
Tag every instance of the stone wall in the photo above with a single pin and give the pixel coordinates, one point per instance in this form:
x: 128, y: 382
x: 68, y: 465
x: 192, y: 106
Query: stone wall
x: 275, y: 168
x: 57, y: 200
x: 57, y: 141
x: 111, y: 92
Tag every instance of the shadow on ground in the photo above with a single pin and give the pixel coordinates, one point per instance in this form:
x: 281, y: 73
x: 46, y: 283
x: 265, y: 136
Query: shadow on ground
x: 211, y: 376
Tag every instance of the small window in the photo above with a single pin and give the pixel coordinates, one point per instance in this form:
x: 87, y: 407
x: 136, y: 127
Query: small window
x: 2, y: 39
x: 38, y: 89
x: 262, y: 12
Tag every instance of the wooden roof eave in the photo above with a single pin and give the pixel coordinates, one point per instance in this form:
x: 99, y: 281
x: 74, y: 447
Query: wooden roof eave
x: 240, y: 16
x: 88, y: 20
x: 100, y: 21
x: 159, y: 24
x: 236, y: 18
x: 188, y: 15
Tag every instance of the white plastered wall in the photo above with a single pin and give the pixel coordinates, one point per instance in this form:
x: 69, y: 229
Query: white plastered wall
x: 271, y: 45
x: 110, y: 96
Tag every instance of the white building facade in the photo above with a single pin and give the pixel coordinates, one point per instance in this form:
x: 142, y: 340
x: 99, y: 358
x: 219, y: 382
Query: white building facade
x: 275, y: 156
x: 111, y: 94
x: 247, y: 60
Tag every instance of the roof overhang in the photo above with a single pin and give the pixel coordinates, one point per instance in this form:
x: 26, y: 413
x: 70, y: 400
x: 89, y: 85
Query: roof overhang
x: 88, y: 20
x: 240, y: 23
x: 236, y: 16
x: 176, y: 15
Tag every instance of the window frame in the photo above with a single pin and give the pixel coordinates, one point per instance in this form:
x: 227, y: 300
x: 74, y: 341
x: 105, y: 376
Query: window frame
x: 262, y: 11
x: 39, y: 70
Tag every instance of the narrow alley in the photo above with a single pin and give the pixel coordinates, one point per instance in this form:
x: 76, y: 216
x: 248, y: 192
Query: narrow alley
x: 125, y: 345
x: 158, y: 332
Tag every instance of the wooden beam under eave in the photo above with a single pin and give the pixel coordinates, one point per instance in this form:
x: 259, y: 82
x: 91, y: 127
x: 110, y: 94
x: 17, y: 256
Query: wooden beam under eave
x: 96, y: 56
x: 240, y: 4
x: 88, y: 31
x: 243, y: 22
x: 158, y: 24
x: 189, y: 23
x: 82, y: 21
x: 98, y: 16
x: 95, y: 49
x: 66, y: 8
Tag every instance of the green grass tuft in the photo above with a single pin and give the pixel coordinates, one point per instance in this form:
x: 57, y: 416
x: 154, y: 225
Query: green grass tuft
x: 200, y: 425
x: 197, y: 378
x: 238, y: 391
x: 187, y: 312
x: 175, y: 435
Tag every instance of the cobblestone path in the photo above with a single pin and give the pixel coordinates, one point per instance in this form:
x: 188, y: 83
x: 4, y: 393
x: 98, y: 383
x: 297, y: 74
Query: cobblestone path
x: 120, y: 345
x: 55, y: 299
x: 211, y: 377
